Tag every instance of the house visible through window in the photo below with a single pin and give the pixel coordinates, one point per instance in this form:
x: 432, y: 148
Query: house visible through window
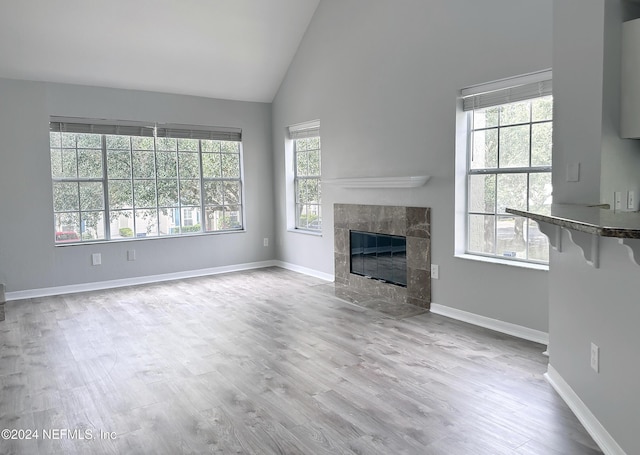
x: 508, y: 165
x: 307, y: 175
x: 119, y: 181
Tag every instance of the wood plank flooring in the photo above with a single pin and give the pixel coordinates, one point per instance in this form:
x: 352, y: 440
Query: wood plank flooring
x: 268, y: 362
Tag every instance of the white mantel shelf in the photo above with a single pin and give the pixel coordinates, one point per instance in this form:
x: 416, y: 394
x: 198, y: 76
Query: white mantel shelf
x: 585, y: 225
x: 379, y: 182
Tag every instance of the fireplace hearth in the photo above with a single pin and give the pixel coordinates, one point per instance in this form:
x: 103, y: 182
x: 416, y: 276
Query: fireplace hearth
x: 380, y: 225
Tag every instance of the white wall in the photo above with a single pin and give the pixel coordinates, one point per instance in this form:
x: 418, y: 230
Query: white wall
x: 383, y: 77
x: 586, y: 304
x: 28, y: 259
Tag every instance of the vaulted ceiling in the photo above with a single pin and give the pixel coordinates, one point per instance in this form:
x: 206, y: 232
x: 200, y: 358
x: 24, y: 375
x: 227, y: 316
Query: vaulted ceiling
x: 229, y: 49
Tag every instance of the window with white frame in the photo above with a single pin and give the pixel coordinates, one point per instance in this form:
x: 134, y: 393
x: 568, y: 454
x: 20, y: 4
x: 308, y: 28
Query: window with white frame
x: 124, y: 180
x: 508, y: 165
x: 307, y: 175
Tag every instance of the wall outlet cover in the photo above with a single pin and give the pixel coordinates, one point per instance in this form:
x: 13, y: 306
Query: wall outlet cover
x: 595, y: 357
x: 96, y: 259
x: 631, y: 200
x: 617, y: 200
x: 573, y: 172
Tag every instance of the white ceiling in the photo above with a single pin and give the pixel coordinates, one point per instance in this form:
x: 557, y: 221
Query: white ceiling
x: 229, y: 49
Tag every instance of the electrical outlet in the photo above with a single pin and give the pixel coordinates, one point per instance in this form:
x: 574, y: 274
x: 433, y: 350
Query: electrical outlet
x: 595, y: 357
x: 435, y: 271
x: 96, y: 259
x: 131, y: 255
x: 617, y: 200
x: 631, y: 200
x: 573, y: 172
x: 265, y: 241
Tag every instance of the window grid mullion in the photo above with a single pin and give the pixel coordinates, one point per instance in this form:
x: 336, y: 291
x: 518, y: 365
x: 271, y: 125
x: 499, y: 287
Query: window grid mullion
x: 499, y: 133
x: 105, y: 187
x: 487, y: 128
x: 526, y: 221
x: 510, y: 170
x: 133, y: 191
x: 77, y: 180
x: 530, y: 139
x: 495, y: 217
x: 203, y: 219
x: 155, y: 178
x: 179, y: 186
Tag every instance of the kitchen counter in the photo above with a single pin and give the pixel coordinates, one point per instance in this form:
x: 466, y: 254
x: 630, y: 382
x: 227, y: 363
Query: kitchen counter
x: 592, y: 220
x: 586, y: 225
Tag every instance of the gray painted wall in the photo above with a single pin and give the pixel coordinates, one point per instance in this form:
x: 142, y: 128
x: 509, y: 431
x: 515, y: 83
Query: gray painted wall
x: 620, y: 160
x: 586, y: 304
x: 383, y: 78
x: 28, y: 259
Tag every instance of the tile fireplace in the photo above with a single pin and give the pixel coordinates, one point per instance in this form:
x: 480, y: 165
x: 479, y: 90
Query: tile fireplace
x: 387, y: 232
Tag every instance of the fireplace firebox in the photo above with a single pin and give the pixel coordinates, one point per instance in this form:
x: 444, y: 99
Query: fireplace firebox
x: 379, y: 256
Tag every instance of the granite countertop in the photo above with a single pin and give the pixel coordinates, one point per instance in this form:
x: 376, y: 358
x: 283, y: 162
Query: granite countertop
x: 593, y: 220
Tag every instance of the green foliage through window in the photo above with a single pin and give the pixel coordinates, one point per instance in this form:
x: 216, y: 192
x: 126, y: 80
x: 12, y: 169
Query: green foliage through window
x: 509, y: 167
x: 112, y: 186
x: 307, y: 184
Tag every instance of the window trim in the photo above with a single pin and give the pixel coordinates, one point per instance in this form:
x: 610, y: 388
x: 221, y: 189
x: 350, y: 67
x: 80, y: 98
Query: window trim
x: 145, y: 129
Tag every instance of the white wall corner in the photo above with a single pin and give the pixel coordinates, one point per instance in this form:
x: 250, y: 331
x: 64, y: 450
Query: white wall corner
x: 508, y: 328
x: 599, y: 434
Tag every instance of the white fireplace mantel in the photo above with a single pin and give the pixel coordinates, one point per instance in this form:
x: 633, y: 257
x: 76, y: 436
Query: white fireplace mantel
x: 379, y: 182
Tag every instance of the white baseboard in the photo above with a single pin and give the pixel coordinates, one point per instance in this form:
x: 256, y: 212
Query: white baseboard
x: 73, y: 288
x: 494, y: 324
x: 304, y: 270
x: 599, y: 434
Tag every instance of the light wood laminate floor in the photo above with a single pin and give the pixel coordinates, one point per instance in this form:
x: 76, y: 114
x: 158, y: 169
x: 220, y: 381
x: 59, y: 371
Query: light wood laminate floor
x: 268, y: 361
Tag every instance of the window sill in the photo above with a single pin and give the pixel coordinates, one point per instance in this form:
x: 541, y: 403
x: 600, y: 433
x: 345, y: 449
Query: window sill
x: 306, y: 232
x: 496, y: 260
x: 142, y: 239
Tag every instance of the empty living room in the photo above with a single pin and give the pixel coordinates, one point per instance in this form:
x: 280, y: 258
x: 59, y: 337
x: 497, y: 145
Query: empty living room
x: 319, y: 227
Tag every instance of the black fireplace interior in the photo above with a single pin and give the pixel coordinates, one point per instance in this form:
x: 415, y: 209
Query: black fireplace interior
x: 379, y: 256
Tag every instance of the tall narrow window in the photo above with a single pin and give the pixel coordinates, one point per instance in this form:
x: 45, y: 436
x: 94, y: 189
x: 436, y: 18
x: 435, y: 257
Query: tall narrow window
x: 119, y: 181
x: 307, y: 175
x: 508, y: 165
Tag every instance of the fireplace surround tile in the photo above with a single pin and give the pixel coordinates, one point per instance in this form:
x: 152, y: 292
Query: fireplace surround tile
x: 340, y: 217
x: 359, y: 218
x: 414, y: 223
x: 417, y: 284
x: 418, y: 222
x: 341, y: 268
x: 387, y: 220
x: 341, y: 240
x: 420, y: 258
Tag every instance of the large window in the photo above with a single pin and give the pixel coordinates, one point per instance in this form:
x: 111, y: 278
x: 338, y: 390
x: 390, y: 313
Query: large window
x: 122, y: 181
x: 307, y: 175
x: 508, y: 165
